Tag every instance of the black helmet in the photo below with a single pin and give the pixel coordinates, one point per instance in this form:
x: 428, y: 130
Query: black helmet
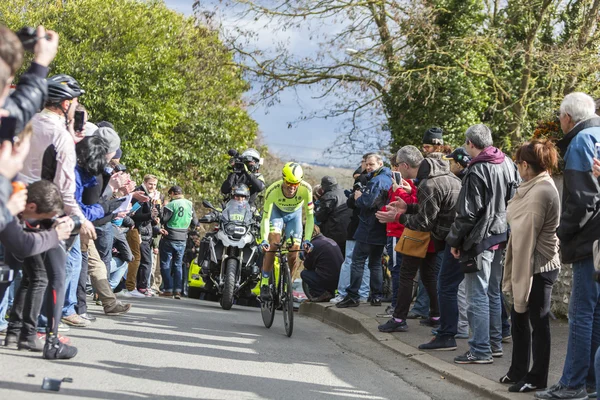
x: 241, y: 190
x: 63, y: 87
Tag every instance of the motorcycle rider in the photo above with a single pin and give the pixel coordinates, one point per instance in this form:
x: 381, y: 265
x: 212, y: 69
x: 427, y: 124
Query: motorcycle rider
x: 284, y: 201
x: 245, y: 171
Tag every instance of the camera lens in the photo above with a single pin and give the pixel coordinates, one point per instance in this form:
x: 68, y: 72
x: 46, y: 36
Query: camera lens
x: 76, y: 224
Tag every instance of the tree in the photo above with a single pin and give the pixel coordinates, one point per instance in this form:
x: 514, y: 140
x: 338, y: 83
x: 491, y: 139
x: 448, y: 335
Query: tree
x: 395, y: 68
x: 166, y: 82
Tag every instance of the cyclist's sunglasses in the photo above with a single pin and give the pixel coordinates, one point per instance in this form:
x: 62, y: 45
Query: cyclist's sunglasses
x: 292, y: 184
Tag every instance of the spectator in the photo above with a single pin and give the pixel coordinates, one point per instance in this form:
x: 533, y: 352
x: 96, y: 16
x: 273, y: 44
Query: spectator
x: 532, y: 264
x: 360, y: 180
x: 437, y: 194
x: 578, y: 229
x: 332, y: 214
x: 30, y: 94
x: 433, y: 142
x: 140, y: 241
x: 178, y: 216
x: 322, y: 268
x: 476, y: 235
x: 370, y: 235
x: 245, y: 173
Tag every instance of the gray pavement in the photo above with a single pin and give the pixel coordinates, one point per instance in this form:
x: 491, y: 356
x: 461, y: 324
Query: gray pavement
x: 191, y: 349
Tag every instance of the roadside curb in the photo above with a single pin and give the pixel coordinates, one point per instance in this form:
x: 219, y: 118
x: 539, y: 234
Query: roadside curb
x: 354, y: 322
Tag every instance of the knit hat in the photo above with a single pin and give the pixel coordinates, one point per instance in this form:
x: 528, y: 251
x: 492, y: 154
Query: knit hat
x: 461, y: 156
x: 118, y: 154
x: 433, y: 136
x: 113, y: 139
x: 90, y: 129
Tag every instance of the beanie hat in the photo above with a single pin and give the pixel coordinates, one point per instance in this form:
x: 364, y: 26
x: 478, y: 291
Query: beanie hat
x: 433, y: 136
x: 90, y: 129
x: 118, y: 154
x: 461, y: 156
x: 113, y: 139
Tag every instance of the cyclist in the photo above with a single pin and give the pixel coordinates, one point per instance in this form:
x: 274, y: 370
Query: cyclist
x: 284, y: 201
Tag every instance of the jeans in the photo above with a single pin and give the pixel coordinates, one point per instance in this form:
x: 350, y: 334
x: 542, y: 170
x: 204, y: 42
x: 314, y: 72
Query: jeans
x: 81, y: 306
x: 449, y: 280
x: 534, y: 340
x: 104, y: 243
x: 584, y: 327
x: 344, y: 281
x: 145, y: 269
x: 171, y: 251
x: 73, y: 271
x: 118, y: 268
x: 427, y: 268
x: 484, y: 310
x: 421, y: 306
x: 3, y: 309
x: 463, y: 320
x: 316, y: 285
x: 363, y: 252
x: 395, y: 263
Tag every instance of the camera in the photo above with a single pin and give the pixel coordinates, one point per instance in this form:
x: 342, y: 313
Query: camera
x: 120, y: 168
x: 236, y: 161
x: 358, y: 187
x: 50, y: 223
x: 28, y: 37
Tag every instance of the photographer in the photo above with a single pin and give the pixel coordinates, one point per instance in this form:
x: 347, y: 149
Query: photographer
x: 245, y: 171
x: 43, y: 267
x: 30, y: 94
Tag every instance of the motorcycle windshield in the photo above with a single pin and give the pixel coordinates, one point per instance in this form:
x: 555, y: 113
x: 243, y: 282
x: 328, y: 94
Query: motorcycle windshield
x: 238, y: 212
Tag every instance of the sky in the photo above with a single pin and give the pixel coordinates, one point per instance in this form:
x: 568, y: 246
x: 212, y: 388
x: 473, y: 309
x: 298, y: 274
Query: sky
x: 305, y: 141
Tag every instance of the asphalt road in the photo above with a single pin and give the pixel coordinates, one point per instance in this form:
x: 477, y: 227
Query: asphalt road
x: 191, y: 349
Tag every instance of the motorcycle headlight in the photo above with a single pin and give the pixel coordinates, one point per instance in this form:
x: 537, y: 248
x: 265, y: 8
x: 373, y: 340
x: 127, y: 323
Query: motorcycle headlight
x: 235, y: 231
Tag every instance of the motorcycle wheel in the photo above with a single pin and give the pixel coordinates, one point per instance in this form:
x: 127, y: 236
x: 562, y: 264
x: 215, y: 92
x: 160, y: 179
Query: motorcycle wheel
x: 267, y: 308
x: 230, y: 272
x: 287, y: 301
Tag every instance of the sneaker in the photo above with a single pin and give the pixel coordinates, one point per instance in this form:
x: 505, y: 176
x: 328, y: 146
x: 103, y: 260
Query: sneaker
x: 388, y: 313
x: 55, y: 350
x: 591, y: 391
x: 177, y: 295
x: 135, y: 293
x: 76, y: 320
x: 118, y: 309
x: 412, y: 315
x: 11, y: 341
x: 559, y: 391
x: 376, y: 302
x: 497, y: 353
x: 522, y: 387
x: 469, y: 358
x: 434, y: 323
x: 347, y: 302
x: 336, y: 299
x: 88, y: 316
x: 31, y: 343
x: 461, y: 336
x: 61, y: 338
x: 124, y: 293
x: 507, y: 380
x: 166, y: 294
x: 507, y: 338
x: 265, y: 293
x: 393, y: 326
x: 146, y: 292
x: 61, y: 327
x: 442, y: 343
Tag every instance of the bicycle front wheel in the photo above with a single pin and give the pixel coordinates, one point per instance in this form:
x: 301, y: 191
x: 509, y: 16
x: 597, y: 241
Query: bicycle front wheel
x: 287, y: 300
x: 267, y: 308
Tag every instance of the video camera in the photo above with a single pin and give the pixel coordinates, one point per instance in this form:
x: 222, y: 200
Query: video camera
x: 236, y: 162
x: 28, y: 37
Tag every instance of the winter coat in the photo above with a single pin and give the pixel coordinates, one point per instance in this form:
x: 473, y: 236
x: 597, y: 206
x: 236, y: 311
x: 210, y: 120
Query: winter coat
x: 143, y: 217
x: 490, y: 182
x: 351, y: 203
x: 373, y: 198
x: 580, y: 217
x: 333, y: 214
x: 325, y: 259
x: 437, y: 195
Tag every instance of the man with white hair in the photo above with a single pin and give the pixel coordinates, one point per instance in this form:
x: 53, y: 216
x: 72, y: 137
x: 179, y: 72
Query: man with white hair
x: 579, y: 228
x: 476, y: 236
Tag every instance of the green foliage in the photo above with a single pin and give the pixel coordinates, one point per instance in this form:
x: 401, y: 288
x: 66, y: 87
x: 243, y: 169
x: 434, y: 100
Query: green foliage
x: 166, y: 82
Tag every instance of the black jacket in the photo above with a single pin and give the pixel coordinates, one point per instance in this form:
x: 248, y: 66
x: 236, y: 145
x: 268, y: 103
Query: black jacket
x: 490, y: 182
x: 143, y: 217
x: 29, y: 97
x: 437, y: 194
x: 325, y: 259
x: 93, y: 195
x: 580, y: 207
x: 253, y: 181
x: 363, y: 179
x: 333, y: 214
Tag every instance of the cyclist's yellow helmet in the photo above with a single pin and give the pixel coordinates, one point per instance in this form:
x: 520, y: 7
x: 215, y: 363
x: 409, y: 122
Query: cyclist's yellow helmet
x: 292, y: 173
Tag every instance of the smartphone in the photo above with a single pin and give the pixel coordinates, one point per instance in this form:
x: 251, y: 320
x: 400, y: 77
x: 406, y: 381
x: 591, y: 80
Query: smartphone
x: 79, y: 121
x: 8, y: 126
x: 397, y: 176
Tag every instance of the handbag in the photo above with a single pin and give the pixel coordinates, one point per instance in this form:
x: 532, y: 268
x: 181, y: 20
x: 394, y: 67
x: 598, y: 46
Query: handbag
x: 413, y: 243
x: 469, y: 265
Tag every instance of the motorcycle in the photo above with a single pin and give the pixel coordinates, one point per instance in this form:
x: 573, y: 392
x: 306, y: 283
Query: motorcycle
x: 229, y: 256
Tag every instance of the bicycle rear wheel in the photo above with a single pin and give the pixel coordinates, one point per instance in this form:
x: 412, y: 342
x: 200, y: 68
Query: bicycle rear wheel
x: 287, y: 300
x: 267, y: 308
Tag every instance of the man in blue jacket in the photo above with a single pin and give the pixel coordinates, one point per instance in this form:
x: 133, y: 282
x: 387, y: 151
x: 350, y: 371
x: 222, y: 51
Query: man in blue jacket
x: 371, y: 236
x: 579, y: 228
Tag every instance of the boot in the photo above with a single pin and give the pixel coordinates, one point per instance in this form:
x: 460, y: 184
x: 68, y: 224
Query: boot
x: 55, y: 350
x: 31, y: 343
